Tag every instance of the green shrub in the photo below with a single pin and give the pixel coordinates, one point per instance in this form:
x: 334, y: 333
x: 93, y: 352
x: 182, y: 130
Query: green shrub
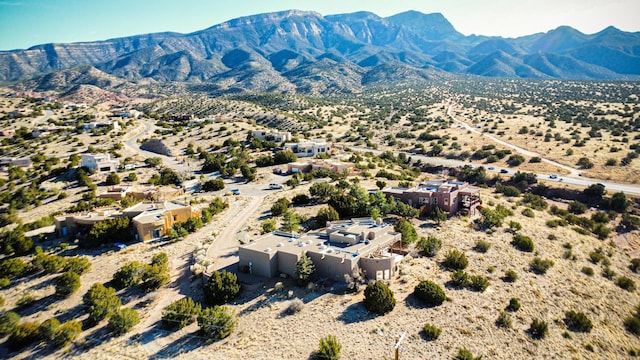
x: 329, y: 348
x: 608, y: 273
x: 528, y: 213
x: 217, y: 322
x: 430, y: 293
x: 23, y: 335
x: 180, y: 313
x: 407, y: 231
x: 268, y: 226
x: 465, y: 354
x: 522, y: 243
x: 102, y: 302
x: 50, y: 264
x: 576, y: 207
x: 67, y: 332
x: 67, y: 284
x: 49, y: 329
x: 540, y: 266
x: 221, y: 288
x: 429, y: 246
x: 538, y: 329
x: 635, y: 265
x: 8, y: 321
x: 460, y: 279
x: 577, y: 321
x: 378, y: 298
x: 510, y: 276
x: 280, y: 206
x: 12, y: 267
x: 631, y: 323
x: 78, y: 265
x: 514, y: 226
x: 514, y: 304
x: 455, y: 260
x: 478, y: 283
x: 503, y: 320
x: 157, y: 273
x: 482, y: 246
x: 626, y: 283
x: 587, y: 271
x: 129, y: 274
x: 4, y: 282
x: 431, y: 332
x: 123, y: 320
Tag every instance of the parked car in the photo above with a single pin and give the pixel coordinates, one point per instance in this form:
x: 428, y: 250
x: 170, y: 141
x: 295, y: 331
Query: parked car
x: 553, y: 176
x: 275, y: 186
x: 491, y: 168
x: 504, y: 171
x: 235, y: 191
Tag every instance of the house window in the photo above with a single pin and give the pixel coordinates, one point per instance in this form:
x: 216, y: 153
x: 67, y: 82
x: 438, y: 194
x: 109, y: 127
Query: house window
x: 453, y: 201
x: 155, y: 233
x: 446, y: 201
x: 435, y: 201
x: 175, y: 218
x: 423, y: 200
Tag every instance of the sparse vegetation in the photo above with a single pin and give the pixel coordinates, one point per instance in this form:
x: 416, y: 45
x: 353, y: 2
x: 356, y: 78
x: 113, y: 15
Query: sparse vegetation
x: 431, y: 332
x: 378, y: 298
x: 429, y: 293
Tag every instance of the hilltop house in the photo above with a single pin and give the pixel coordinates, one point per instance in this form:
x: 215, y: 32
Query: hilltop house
x: 269, y: 135
x: 343, y: 248
x: 308, y: 148
x: 100, y: 162
x: 334, y: 166
x: 449, y: 196
x: 150, y: 220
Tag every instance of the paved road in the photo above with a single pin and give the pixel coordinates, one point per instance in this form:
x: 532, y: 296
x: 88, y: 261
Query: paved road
x: 146, y: 129
x: 572, y: 171
x: 569, y: 179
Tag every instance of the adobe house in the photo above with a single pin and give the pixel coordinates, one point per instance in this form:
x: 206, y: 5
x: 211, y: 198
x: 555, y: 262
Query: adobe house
x: 154, y: 220
x: 449, y: 196
x: 150, y: 220
x: 344, y: 247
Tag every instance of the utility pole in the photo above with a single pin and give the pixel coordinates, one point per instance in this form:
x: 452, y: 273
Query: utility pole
x: 397, y: 345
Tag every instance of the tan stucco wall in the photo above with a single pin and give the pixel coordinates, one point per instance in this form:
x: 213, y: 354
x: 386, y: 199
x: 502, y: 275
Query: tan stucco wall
x: 262, y: 263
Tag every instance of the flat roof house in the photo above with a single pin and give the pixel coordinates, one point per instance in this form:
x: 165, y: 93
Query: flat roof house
x: 100, y: 162
x: 308, y: 148
x: 344, y: 247
x: 150, y: 220
x: 449, y: 196
x: 270, y: 135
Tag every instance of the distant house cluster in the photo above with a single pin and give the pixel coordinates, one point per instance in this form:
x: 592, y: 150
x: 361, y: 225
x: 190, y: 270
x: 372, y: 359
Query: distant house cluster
x: 150, y: 220
x: 343, y: 248
x: 449, y: 196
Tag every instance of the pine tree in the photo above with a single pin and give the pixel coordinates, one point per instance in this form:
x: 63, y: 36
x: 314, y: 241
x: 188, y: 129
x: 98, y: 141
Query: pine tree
x: 304, y: 269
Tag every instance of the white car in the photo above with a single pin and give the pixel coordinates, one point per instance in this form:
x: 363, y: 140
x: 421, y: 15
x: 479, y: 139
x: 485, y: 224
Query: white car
x: 275, y: 186
x: 553, y: 176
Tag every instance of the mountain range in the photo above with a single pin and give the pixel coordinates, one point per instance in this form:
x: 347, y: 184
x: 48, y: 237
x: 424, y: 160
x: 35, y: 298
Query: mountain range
x: 300, y: 51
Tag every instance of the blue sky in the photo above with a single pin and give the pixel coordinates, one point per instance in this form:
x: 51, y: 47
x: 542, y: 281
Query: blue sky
x: 24, y: 23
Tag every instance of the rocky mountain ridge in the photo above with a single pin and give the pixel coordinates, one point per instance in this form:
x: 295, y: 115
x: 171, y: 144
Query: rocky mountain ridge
x: 300, y: 51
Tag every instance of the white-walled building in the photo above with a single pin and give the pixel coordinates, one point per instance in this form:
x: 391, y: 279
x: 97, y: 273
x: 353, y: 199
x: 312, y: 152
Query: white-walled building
x: 100, y: 162
x: 269, y: 135
x: 308, y: 148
